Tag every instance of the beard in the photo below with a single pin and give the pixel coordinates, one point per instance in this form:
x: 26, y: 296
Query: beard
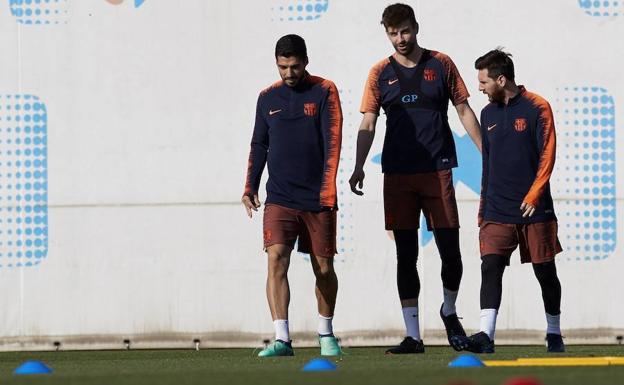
x: 407, y: 49
x: 293, y: 81
x: 498, y: 96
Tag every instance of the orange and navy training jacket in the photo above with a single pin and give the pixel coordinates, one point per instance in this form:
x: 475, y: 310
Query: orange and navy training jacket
x: 298, y: 134
x: 518, y: 159
x: 418, y: 136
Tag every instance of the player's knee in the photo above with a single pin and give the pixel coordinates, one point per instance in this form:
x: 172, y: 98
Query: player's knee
x: 277, y: 263
x: 324, y: 274
x: 492, y: 267
x: 406, y: 242
x: 546, y: 272
x: 323, y: 268
x: 407, y: 265
x: 453, y: 264
x: 451, y: 260
x: 407, y: 251
x: 447, y: 241
x: 277, y: 270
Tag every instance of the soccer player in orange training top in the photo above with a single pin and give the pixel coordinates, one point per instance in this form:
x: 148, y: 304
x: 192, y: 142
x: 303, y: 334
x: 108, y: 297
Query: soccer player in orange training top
x: 297, y: 133
x: 414, y: 86
x: 516, y: 209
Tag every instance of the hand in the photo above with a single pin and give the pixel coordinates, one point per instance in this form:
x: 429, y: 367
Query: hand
x: 357, y: 179
x: 249, y: 205
x: 527, y: 209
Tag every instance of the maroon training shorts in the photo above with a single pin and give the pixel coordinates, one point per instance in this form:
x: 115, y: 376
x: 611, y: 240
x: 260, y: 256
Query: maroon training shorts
x: 316, y: 231
x: 538, y: 242
x: 405, y: 195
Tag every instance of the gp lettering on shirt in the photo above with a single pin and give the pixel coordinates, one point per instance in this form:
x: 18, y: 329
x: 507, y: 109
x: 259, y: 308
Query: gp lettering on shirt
x: 409, y: 98
x: 418, y: 137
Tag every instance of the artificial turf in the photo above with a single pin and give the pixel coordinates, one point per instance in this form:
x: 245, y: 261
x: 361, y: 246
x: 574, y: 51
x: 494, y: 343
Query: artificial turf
x: 360, y: 366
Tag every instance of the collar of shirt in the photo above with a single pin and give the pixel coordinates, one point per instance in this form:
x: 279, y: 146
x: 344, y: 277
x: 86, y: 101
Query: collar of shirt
x: 515, y: 100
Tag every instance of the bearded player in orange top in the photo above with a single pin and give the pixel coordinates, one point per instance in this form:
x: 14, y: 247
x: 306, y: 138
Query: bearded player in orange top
x: 414, y: 86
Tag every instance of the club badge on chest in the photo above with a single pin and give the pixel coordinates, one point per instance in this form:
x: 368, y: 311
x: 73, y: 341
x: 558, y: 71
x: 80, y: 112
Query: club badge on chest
x: 520, y: 124
x: 309, y: 109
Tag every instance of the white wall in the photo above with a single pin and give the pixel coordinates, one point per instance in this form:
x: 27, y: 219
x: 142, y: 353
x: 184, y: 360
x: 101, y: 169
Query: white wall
x: 148, y: 115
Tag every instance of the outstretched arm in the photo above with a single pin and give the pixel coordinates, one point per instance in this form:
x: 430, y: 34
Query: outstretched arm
x: 469, y: 121
x: 366, y: 134
x: 546, y: 143
x: 331, y: 129
x: 485, y: 153
x: 256, y: 163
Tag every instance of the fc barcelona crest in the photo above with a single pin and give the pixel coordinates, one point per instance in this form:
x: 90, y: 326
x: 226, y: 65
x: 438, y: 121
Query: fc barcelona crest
x: 429, y: 75
x: 309, y: 109
x: 520, y: 124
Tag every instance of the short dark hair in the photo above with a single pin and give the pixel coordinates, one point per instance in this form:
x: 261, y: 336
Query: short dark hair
x: 497, y: 62
x: 396, y: 14
x: 291, y: 45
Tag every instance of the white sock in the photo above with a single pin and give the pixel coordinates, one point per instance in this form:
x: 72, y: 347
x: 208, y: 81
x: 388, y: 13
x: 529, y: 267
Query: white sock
x: 448, y: 307
x: 281, y: 330
x: 410, y: 316
x: 553, y: 324
x: 325, y: 325
x: 488, y: 322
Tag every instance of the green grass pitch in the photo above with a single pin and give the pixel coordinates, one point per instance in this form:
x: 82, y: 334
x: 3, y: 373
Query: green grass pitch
x: 360, y: 366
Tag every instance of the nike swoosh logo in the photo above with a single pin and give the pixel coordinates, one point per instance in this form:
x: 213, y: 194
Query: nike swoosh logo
x: 492, y: 126
x: 391, y: 82
x: 271, y: 112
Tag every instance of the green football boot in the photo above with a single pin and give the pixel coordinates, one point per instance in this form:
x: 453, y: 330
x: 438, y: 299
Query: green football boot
x: 329, y: 346
x: 277, y: 348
